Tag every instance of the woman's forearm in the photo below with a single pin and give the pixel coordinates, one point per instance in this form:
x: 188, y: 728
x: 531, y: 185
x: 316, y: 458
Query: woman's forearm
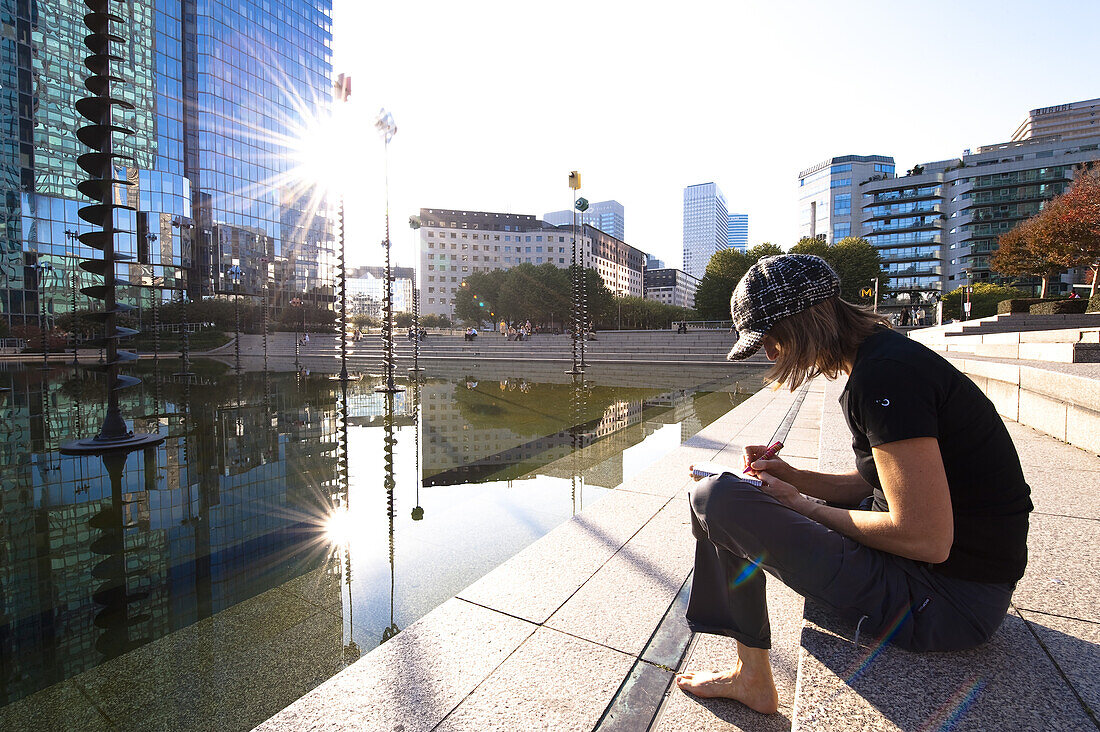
x: 843, y: 489
x: 876, y: 529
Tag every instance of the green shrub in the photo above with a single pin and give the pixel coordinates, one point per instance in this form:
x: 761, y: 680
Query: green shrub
x: 983, y: 300
x: 1017, y: 305
x: 1060, y: 307
x: 1094, y: 304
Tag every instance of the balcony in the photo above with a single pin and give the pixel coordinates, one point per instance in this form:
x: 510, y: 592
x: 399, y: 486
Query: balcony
x: 910, y: 254
x: 872, y: 215
x: 917, y: 268
x: 905, y: 194
x: 1005, y: 180
x: 934, y: 222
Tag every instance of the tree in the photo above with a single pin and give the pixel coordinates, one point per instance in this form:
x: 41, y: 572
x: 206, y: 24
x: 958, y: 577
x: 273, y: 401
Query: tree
x: 1034, y: 247
x: 858, y: 265
x: 983, y: 300
x: 811, y: 245
x: 724, y: 270
x: 1076, y: 215
x: 767, y: 249
x: 853, y: 258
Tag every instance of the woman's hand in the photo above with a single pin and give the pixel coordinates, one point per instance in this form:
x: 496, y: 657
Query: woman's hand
x: 775, y: 466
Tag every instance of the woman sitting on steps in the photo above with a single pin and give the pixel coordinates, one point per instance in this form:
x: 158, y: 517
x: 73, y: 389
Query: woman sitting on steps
x: 921, y: 546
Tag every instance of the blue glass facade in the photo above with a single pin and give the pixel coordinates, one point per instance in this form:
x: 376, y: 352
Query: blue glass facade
x: 217, y: 89
x: 256, y: 72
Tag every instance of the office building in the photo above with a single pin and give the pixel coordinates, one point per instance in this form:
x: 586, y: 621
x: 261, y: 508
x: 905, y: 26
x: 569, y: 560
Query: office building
x: 209, y: 191
x: 454, y: 244
x: 706, y: 226
x: 607, y: 216
x: 738, y: 233
x: 1073, y: 121
x: 937, y: 227
x: 828, y: 194
x: 652, y: 262
x: 671, y: 286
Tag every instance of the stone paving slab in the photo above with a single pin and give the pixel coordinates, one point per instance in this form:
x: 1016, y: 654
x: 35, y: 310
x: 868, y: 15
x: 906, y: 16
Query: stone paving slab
x: 407, y: 683
x: 1009, y: 683
x: 1075, y: 647
x: 553, y: 681
x: 1064, y: 491
x: 626, y: 599
x: 538, y: 580
x: 1062, y: 576
x: 688, y: 713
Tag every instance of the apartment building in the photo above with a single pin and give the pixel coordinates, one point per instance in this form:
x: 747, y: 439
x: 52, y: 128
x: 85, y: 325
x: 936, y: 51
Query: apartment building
x: 671, y: 286
x: 455, y: 244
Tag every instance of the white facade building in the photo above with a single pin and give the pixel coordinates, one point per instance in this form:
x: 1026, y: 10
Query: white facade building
x: 455, y: 244
x: 671, y: 286
x: 1073, y: 121
x: 706, y: 226
x: 367, y: 290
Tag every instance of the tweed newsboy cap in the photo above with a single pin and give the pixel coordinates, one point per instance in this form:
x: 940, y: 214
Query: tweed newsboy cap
x: 774, y: 288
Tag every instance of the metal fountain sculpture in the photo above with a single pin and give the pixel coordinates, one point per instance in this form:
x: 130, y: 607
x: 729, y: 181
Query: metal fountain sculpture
x: 114, y: 435
x: 387, y: 129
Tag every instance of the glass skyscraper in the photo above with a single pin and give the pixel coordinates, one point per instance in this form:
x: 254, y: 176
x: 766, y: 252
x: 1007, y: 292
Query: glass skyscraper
x: 217, y: 87
x: 706, y: 226
x: 738, y: 234
x: 607, y: 216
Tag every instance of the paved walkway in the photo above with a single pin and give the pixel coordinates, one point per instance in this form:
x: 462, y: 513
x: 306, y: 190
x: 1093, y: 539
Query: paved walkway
x: 547, y: 640
x: 582, y: 630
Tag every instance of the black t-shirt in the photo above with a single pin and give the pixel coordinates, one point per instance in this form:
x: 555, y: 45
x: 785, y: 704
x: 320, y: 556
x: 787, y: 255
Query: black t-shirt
x: 899, y: 390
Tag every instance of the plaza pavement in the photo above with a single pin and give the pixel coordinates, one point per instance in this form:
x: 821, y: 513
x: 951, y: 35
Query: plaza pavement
x: 583, y: 629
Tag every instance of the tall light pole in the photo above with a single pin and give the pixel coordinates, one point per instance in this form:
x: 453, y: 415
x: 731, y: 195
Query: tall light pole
x: 234, y: 274
x: 70, y: 236
x: 263, y: 290
x: 387, y: 129
x: 297, y: 303
x: 575, y: 185
x: 414, y: 224
x: 342, y: 91
x: 41, y: 269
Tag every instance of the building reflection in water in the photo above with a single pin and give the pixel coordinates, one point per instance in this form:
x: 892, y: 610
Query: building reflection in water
x: 367, y: 508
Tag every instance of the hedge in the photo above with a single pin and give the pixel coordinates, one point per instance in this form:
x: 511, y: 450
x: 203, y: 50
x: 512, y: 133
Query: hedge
x: 1060, y: 307
x: 1094, y: 304
x: 1017, y: 305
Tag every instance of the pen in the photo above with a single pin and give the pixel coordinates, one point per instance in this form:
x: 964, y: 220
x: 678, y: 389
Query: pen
x: 768, y: 455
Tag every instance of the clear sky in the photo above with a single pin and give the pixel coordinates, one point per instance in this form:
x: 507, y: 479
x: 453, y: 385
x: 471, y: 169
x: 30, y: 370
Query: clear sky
x: 496, y: 102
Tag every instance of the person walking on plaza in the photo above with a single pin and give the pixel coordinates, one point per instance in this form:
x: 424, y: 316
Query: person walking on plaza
x: 920, y: 547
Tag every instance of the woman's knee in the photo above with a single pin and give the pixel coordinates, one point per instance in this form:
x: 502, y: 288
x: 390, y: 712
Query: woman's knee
x: 722, y: 498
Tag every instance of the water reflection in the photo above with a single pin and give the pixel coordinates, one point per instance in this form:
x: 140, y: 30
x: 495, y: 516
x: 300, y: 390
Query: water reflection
x: 288, y: 524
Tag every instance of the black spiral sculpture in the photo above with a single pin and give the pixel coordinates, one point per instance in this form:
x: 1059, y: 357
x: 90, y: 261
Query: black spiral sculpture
x: 100, y: 187
x: 388, y: 442
x: 114, y: 596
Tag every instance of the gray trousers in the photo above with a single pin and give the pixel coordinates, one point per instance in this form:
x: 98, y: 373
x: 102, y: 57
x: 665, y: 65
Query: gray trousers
x: 740, y: 530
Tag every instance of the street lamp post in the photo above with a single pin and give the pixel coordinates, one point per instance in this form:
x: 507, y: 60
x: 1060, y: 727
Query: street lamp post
x: 387, y: 129
x: 263, y: 264
x: 577, y: 281
x: 297, y: 303
x: 70, y: 236
x: 41, y: 268
x: 414, y: 224
x: 234, y: 274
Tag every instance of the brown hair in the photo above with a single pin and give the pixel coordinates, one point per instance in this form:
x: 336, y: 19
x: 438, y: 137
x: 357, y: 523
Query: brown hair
x: 822, y: 339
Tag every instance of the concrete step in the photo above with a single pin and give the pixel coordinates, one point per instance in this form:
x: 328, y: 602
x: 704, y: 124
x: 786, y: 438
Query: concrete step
x: 1037, y: 672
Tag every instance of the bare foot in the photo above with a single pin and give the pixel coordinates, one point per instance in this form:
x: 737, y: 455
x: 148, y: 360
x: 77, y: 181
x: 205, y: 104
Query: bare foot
x: 757, y: 692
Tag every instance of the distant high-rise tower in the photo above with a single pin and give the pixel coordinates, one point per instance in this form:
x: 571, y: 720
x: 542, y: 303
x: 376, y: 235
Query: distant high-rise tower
x: 652, y: 262
x: 706, y: 226
x: 829, y: 194
x: 607, y: 216
x: 738, y: 236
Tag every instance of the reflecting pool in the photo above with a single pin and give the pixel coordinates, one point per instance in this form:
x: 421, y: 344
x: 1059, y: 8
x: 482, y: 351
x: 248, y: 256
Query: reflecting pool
x: 289, y: 523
